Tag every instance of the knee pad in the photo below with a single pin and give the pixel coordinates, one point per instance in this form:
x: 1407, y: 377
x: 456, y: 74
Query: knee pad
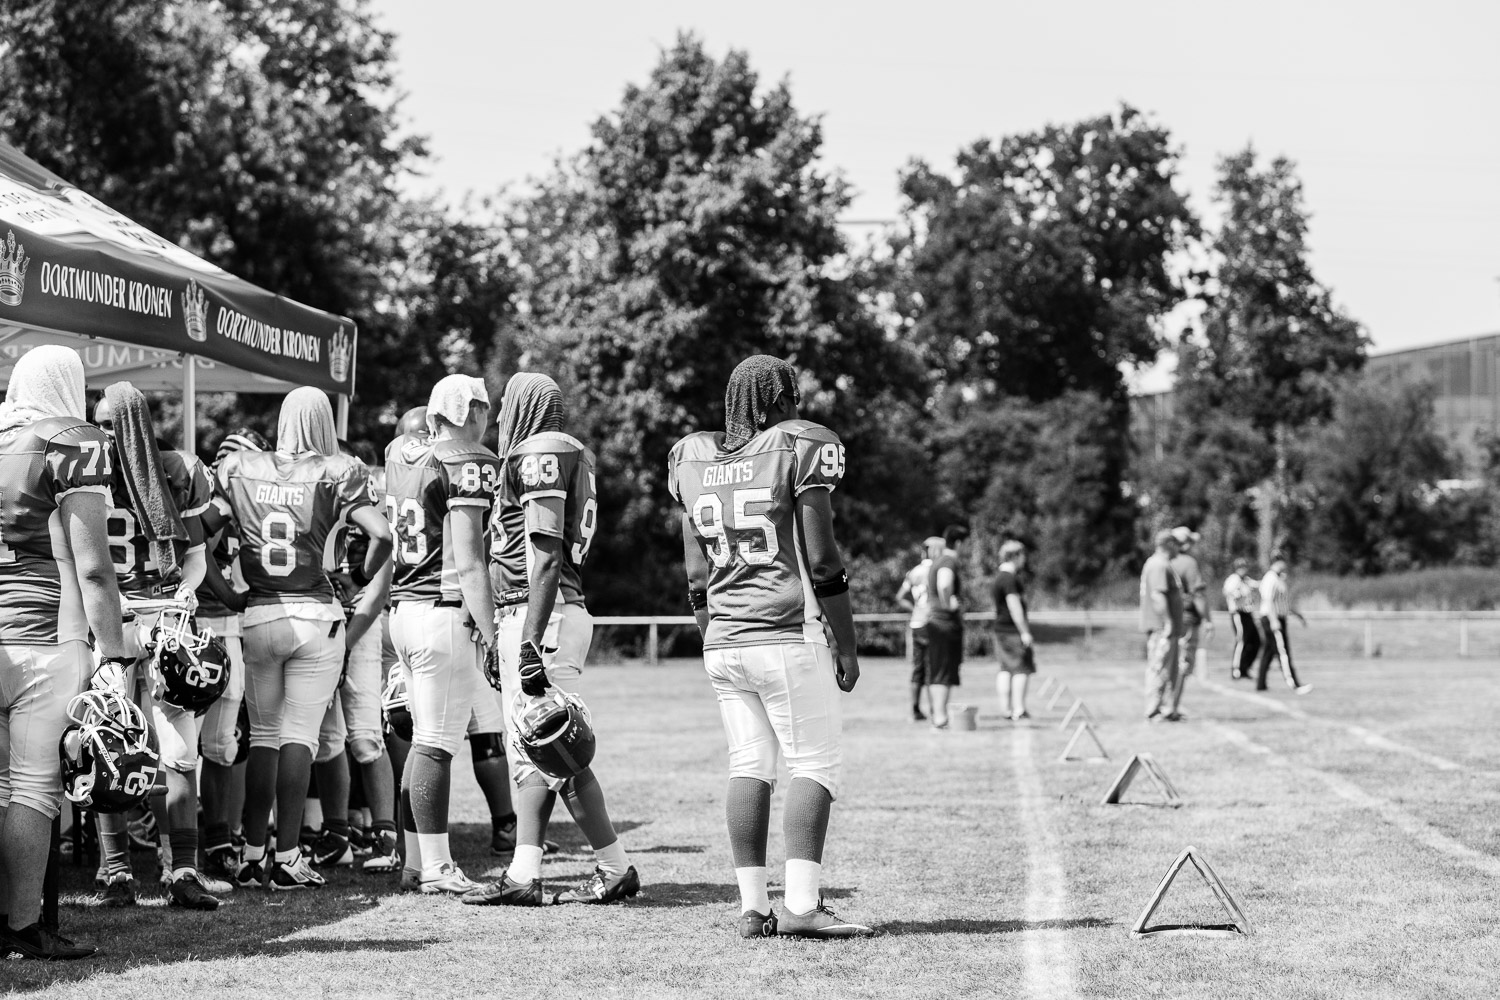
x: 533, y: 779
x: 432, y: 753
x: 486, y: 746
x: 365, y: 750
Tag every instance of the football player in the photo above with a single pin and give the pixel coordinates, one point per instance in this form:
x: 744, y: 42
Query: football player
x: 286, y: 505
x: 57, y: 584
x: 156, y: 541
x: 439, y: 491
x: 544, y: 523
x: 766, y: 583
x: 220, y: 605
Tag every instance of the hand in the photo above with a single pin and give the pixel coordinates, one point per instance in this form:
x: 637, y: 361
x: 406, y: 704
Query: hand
x: 534, y: 681
x: 111, y: 674
x: 188, y: 598
x: 1026, y: 639
x: 847, y: 671
x: 491, y: 664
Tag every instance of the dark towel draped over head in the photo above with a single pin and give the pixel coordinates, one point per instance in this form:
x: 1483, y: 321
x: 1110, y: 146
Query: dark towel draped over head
x: 533, y: 404
x: 754, y: 387
x: 145, y: 480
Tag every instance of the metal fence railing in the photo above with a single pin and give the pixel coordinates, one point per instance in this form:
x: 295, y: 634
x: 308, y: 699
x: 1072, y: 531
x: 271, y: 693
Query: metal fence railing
x: 1364, y: 633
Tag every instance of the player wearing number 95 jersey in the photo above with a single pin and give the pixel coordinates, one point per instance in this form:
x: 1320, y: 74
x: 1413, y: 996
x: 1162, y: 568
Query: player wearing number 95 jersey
x: 764, y: 577
x: 286, y: 505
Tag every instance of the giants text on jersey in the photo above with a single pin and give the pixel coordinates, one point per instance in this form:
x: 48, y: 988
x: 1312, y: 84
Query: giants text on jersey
x: 286, y: 509
x: 39, y: 465
x: 547, y: 488
x: 743, y: 510
x: 425, y: 480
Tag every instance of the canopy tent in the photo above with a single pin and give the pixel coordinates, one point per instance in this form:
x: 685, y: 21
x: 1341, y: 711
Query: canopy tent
x: 74, y: 271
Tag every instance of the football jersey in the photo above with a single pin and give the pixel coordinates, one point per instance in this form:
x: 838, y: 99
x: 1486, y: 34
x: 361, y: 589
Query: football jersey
x: 287, y: 509
x: 39, y: 465
x: 743, y: 510
x: 219, y: 517
x: 547, y: 488
x: 135, y: 565
x: 424, y: 481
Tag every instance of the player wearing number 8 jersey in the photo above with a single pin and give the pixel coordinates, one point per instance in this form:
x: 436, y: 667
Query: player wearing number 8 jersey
x: 764, y: 578
x: 286, y: 506
x: 440, y: 488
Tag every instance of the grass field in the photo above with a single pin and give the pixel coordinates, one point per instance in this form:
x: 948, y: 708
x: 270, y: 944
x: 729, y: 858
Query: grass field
x: 1357, y: 826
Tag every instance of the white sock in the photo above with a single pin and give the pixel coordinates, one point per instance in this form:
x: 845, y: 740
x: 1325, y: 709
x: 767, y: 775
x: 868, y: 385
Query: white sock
x: 179, y: 872
x: 435, y: 852
x: 803, y: 879
x: 253, y: 853
x: 312, y: 814
x: 413, y: 850
x: 613, y: 858
x: 526, y: 865
x: 287, y: 857
x: 753, y: 894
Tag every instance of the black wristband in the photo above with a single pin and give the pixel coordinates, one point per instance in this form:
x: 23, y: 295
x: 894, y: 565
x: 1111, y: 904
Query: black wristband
x: 697, y: 598
x: 832, y: 587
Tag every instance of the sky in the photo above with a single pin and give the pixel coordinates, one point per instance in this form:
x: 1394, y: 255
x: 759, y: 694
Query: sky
x: 1390, y: 110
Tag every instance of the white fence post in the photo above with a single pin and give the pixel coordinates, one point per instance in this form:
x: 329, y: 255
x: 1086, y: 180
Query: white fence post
x: 652, y: 644
x: 1369, y: 636
x: 1463, y: 634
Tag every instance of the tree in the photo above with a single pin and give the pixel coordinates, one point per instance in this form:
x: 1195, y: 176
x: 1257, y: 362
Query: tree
x: 700, y: 227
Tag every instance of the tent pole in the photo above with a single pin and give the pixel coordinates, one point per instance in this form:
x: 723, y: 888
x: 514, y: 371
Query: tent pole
x: 190, y: 404
x: 341, y: 417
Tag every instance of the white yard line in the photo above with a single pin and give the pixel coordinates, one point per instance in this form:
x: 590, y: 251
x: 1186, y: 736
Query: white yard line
x: 1049, y: 967
x: 1390, y: 812
x: 1367, y: 736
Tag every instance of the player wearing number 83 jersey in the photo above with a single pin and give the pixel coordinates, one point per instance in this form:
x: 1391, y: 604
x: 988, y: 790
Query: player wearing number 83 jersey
x: 425, y: 479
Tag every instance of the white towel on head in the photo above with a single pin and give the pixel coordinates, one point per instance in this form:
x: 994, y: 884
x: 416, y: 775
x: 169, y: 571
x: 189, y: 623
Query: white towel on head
x: 46, y: 382
x: 451, y: 398
x: 306, y: 423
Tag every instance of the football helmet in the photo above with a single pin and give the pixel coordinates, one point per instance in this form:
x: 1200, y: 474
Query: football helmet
x: 556, y: 733
x: 109, y: 753
x: 396, y: 706
x: 193, y: 664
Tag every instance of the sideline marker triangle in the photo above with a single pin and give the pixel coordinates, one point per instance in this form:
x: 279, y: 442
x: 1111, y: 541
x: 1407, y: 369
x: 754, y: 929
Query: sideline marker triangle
x: 1240, y: 924
x: 1080, y: 710
x: 1142, y: 762
x: 1057, y: 695
x: 1046, y: 688
x: 1084, y: 727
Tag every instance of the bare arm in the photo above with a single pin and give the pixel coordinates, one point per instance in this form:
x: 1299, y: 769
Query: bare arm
x: 697, y: 568
x: 903, y: 596
x: 373, y: 523
x: 815, y: 515
x: 1018, y: 615
x: 546, y: 577
x: 83, y: 517
x: 367, y: 610
x: 946, y: 598
x: 467, y: 524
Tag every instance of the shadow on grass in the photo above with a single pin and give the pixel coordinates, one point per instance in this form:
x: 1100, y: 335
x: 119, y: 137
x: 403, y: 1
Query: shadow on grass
x: 669, y: 849
x: 675, y: 894
x: 471, y: 841
x: 963, y: 925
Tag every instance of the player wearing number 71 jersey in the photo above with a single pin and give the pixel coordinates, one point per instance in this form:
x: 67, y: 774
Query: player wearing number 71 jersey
x: 286, y: 506
x: 764, y: 575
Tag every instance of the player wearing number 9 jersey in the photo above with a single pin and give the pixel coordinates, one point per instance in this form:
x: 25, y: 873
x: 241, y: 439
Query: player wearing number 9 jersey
x: 764, y: 576
x: 286, y: 505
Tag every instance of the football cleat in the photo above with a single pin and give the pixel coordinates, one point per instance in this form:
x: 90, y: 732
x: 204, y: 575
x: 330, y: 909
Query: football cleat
x: 188, y: 892
x: 1302, y: 688
x: 820, y: 923
x: 297, y: 875
x: 450, y: 880
x: 42, y: 944
x: 757, y: 925
x: 223, y: 862
x: 382, y: 859
x: 115, y: 891
x: 602, y: 888
x: 555, y: 732
x: 329, y: 850
x: 504, y: 891
x: 252, y: 873
x: 411, y: 880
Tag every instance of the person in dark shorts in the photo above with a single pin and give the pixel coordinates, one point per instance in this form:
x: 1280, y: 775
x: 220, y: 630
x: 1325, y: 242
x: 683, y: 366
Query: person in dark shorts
x: 945, y: 624
x: 1013, y: 644
x: 913, y: 597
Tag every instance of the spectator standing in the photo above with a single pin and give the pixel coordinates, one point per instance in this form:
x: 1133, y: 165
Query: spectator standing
x: 1197, y: 617
x: 945, y: 623
x: 1161, y: 618
x: 1275, y: 607
x: 1013, y: 643
x: 913, y: 597
x: 1242, y: 602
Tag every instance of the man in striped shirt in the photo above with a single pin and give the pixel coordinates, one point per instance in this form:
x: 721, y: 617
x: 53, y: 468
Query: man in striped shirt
x: 1242, y: 601
x: 1275, y: 607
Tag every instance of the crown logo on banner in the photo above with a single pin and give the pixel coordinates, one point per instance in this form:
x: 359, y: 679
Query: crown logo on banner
x: 13, y: 263
x: 338, y: 356
x: 195, y: 312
